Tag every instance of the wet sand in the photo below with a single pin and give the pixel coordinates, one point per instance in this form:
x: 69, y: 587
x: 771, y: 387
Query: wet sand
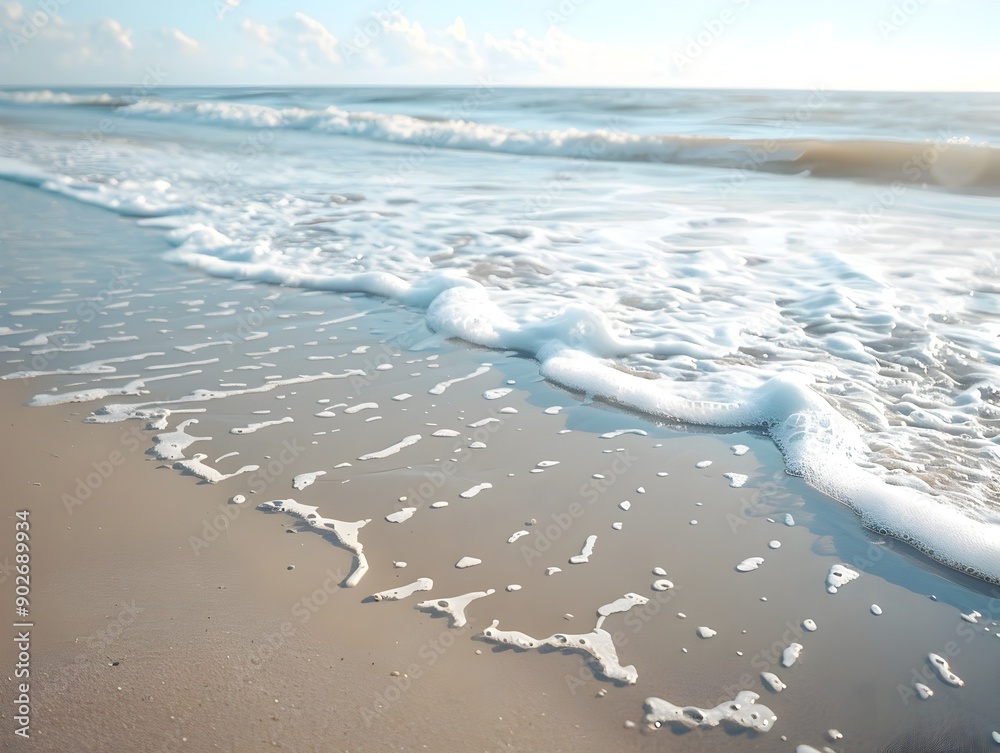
x: 167, y: 618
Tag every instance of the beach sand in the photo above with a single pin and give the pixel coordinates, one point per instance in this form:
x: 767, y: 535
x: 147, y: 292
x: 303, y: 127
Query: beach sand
x: 165, y: 617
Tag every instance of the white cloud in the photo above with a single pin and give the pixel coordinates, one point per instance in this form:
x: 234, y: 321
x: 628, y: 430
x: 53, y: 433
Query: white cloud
x: 181, y: 39
x: 113, y: 32
x: 260, y: 32
x: 313, y: 36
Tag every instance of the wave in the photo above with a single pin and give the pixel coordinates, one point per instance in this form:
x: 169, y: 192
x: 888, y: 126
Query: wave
x: 47, y: 97
x: 946, y: 163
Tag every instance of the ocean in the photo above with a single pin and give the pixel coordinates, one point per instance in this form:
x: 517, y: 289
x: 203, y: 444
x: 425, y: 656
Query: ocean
x: 818, y: 266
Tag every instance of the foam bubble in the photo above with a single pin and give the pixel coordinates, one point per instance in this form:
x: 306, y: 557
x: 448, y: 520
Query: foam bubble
x: 421, y: 584
x: 454, y: 606
x: 468, y: 562
x: 941, y: 666
x: 772, y: 681
x: 392, y: 449
x: 497, y: 393
x: 440, y: 387
x: 398, y: 517
x: 620, y: 432
x: 809, y: 625
x: 838, y: 576
x: 473, y: 491
x: 598, y: 644
x: 446, y: 433
x: 207, y: 472
x: 515, y: 536
x: 706, y: 632
x: 584, y: 555
x: 923, y: 691
x: 750, y: 563
x: 739, y: 449
x: 876, y: 609
x: 345, y: 533
x: 743, y: 711
x: 736, y: 480
x: 791, y: 654
x: 662, y: 585
x: 302, y: 480
x: 171, y: 445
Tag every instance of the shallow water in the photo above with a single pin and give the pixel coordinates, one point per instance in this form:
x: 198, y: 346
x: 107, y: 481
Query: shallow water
x: 822, y: 265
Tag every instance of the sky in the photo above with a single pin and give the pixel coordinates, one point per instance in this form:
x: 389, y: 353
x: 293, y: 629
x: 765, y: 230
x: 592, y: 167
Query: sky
x: 893, y: 45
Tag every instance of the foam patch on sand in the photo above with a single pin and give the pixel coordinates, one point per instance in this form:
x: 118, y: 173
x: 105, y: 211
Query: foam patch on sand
x: 171, y: 445
x: 421, y: 584
x: 440, y: 387
x: 743, y: 711
x: 255, y: 427
x: 392, y: 449
x: 839, y: 576
x: 454, y: 606
x: 597, y: 644
x: 344, y: 533
x: 207, y: 472
x: 302, y: 480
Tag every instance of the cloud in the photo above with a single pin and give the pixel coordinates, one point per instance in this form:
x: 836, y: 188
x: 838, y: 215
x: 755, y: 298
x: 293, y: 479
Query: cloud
x: 181, y: 39
x: 113, y: 32
x: 260, y: 32
x: 312, y: 37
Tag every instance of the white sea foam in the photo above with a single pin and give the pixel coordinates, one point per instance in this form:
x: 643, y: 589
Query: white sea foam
x: 302, y: 480
x: 207, y: 472
x: 742, y: 711
x: 255, y: 427
x: 473, y: 491
x: 598, y: 644
x: 838, y: 576
x: 392, y: 449
x: 791, y: 654
x: 171, y: 445
x: 584, y: 555
x: 344, y: 533
x: 454, y: 606
x: 421, y: 584
x: 398, y: 517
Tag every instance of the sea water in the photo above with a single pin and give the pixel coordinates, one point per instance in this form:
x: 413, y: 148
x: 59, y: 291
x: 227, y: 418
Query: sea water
x: 818, y: 265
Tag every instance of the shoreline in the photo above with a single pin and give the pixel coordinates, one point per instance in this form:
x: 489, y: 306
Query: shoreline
x: 185, y: 662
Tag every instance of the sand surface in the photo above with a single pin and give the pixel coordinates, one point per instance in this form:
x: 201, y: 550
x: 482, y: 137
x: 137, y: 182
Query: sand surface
x: 165, y: 617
